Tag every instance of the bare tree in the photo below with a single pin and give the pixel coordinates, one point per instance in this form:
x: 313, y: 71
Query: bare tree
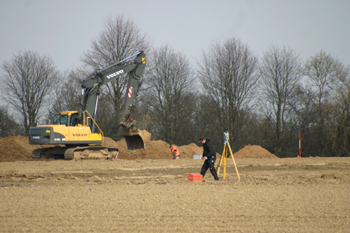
x: 280, y: 71
x: 304, y: 114
x: 120, y: 39
x: 170, y: 82
x: 28, y: 80
x: 67, y: 97
x: 341, y: 132
x: 322, y: 71
x: 228, y: 74
x: 8, y: 125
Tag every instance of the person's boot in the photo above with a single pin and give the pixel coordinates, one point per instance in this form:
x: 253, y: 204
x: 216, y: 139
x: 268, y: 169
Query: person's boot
x: 213, y: 172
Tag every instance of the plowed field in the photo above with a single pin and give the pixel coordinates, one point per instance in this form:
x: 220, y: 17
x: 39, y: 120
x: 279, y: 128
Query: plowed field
x: 135, y: 194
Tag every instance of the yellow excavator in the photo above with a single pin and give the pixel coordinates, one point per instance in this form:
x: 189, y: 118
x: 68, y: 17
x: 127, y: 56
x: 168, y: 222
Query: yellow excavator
x: 78, y: 131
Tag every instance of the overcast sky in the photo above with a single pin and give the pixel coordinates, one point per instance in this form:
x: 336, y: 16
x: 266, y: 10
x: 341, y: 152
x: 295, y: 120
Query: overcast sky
x: 64, y: 29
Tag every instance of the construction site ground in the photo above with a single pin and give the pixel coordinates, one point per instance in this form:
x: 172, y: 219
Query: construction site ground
x: 147, y: 191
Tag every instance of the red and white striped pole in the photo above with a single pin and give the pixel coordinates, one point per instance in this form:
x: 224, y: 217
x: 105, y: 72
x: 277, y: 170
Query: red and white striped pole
x: 130, y: 92
x: 299, y: 145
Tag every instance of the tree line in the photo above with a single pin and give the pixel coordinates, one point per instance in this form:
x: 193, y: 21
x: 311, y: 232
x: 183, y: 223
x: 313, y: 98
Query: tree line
x: 262, y: 101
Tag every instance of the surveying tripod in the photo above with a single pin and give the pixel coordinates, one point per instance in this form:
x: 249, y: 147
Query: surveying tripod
x: 224, y: 156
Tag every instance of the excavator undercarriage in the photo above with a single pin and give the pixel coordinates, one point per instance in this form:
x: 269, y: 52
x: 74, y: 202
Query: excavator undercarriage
x: 78, y: 152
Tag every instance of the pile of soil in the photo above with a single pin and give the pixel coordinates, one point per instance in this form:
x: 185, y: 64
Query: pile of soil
x: 156, y: 149
x: 253, y: 151
x: 17, y: 148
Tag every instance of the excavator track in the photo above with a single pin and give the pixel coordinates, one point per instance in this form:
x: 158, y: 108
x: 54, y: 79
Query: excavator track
x: 90, y: 152
x: 80, y: 152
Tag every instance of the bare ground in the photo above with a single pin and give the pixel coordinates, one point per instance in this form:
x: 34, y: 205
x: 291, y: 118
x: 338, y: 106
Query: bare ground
x: 154, y: 195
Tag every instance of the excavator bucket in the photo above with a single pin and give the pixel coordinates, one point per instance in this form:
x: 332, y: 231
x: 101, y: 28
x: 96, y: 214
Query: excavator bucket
x: 136, y: 139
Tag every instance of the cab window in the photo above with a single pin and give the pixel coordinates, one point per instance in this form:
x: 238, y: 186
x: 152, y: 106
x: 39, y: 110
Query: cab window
x: 56, y: 119
x: 74, y: 119
x: 63, y: 119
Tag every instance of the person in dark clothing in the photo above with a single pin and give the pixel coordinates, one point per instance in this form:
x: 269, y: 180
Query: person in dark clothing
x: 209, y: 156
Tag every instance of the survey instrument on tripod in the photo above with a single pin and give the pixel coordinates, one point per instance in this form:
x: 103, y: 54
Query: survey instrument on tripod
x: 225, y: 155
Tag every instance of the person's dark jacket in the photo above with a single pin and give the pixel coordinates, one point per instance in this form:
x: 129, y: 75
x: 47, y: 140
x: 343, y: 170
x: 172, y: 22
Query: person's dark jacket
x: 209, y: 150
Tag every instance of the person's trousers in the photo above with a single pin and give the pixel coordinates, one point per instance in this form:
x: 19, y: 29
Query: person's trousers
x: 209, y: 163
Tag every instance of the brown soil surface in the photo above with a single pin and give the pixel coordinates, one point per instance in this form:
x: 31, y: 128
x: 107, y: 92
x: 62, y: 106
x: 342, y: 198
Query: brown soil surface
x: 146, y: 191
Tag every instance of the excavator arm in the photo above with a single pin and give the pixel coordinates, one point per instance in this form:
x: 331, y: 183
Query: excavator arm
x: 93, y: 83
x: 134, y: 137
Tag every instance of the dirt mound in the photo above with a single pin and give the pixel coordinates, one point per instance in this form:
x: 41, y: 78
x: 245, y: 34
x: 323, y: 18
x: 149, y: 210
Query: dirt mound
x: 17, y: 148
x: 156, y: 149
x: 253, y: 151
x: 188, y: 151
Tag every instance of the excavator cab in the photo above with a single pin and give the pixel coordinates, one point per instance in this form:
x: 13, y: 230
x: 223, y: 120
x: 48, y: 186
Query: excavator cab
x: 68, y: 118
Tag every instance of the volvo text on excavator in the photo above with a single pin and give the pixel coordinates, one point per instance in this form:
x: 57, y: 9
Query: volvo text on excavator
x: 78, y: 131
